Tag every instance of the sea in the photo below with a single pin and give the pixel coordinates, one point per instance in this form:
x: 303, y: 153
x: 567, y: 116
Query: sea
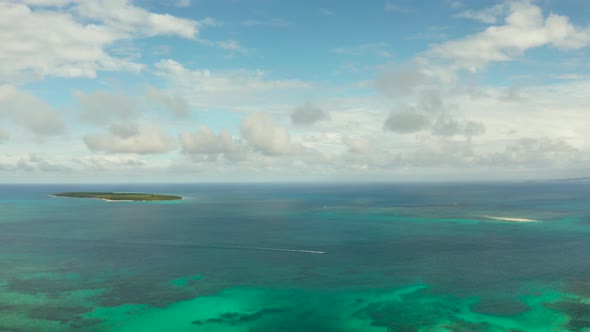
x: 298, y: 257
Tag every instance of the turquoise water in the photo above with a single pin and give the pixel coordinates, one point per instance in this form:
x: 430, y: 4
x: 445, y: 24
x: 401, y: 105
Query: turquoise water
x: 411, y: 257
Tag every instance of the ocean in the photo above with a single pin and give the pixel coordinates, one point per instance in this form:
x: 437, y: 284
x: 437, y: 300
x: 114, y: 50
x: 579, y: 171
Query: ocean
x: 298, y: 257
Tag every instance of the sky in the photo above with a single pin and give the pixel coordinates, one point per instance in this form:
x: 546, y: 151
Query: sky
x: 269, y: 90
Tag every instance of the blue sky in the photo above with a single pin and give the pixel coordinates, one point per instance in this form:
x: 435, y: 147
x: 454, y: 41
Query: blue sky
x: 153, y: 91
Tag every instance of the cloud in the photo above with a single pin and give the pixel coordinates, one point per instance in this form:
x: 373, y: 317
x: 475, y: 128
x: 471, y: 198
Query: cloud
x: 380, y: 49
x: 177, y: 105
x: 357, y: 145
x: 326, y: 11
x: 395, y: 8
x: 129, y: 20
x: 73, y: 38
x: 29, y: 113
x: 108, y: 163
x: 308, y: 114
x: 490, y: 15
x: 263, y: 134
x: 396, y: 81
x: 524, y: 28
x: 406, y: 121
x: 34, y: 162
x: 4, y: 136
x: 104, y: 107
x: 183, y: 3
x: 537, y: 152
x: 273, y: 23
x: 206, y: 142
x: 231, y: 45
x: 438, y: 152
x: 46, y: 3
x: 144, y: 139
x: 204, y: 88
x: 447, y: 125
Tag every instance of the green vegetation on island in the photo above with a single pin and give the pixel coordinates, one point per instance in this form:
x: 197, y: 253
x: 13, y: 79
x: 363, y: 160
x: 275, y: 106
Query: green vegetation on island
x: 120, y: 196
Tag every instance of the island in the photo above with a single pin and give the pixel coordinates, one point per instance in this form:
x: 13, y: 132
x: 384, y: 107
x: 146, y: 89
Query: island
x: 109, y: 196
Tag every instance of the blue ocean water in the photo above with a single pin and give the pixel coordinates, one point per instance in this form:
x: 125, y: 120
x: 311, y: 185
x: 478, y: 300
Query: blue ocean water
x: 298, y: 257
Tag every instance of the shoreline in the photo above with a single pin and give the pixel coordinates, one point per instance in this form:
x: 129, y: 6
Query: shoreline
x: 125, y: 196
x: 511, y: 219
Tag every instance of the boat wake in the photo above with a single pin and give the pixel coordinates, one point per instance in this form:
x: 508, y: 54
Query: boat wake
x: 220, y: 246
x: 165, y: 243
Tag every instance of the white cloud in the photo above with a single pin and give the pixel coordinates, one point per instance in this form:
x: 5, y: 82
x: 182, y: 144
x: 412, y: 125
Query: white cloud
x: 308, y: 114
x: 108, y: 163
x: 357, y: 145
x: 4, y: 136
x: 400, y: 81
x: 206, y: 142
x: 488, y: 15
x: 126, y: 19
x: 525, y: 27
x: 437, y: 152
x: 73, y: 39
x: 143, y: 139
x: 265, y: 135
x: 103, y: 107
x: 448, y: 125
x: 45, y: 3
x: 380, y: 49
x: 29, y: 113
x: 183, y: 3
x: 406, y: 121
x: 537, y: 152
x: 205, y: 88
x: 37, y: 163
x: 177, y: 105
x: 393, y: 7
x: 273, y: 23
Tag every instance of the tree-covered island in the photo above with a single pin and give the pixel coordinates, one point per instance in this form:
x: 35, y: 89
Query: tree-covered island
x: 119, y: 196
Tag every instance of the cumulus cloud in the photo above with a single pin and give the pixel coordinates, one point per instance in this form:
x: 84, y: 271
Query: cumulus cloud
x: 53, y: 41
x: 261, y: 132
x: 130, y: 139
x: 537, y: 152
x: 103, y: 107
x: 406, y: 121
x: 524, y: 27
x: 357, y: 145
x: 308, y: 114
x: 177, y: 105
x: 35, y: 162
x: 206, y: 142
x: 396, y: 81
x: 438, y: 152
x: 29, y: 113
x: 426, y: 92
x: 447, y: 125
